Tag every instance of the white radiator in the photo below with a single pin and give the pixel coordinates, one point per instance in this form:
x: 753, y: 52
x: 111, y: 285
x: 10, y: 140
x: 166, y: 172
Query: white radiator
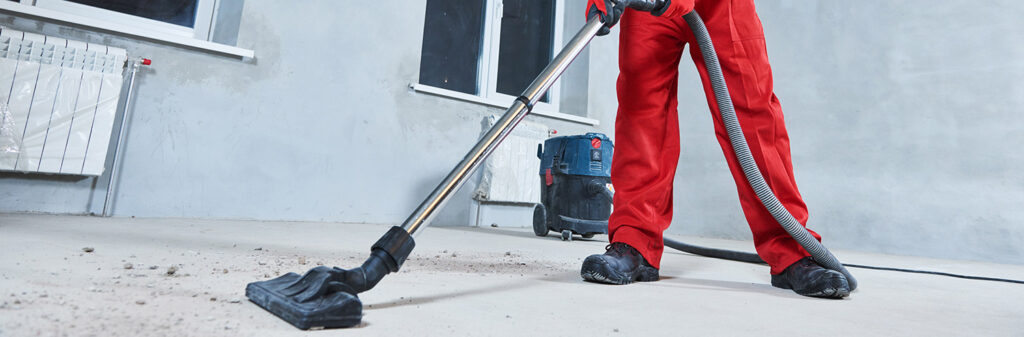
x: 512, y: 173
x: 58, y: 100
x: 510, y: 179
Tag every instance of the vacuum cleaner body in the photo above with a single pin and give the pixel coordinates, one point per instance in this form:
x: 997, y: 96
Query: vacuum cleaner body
x: 575, y: 173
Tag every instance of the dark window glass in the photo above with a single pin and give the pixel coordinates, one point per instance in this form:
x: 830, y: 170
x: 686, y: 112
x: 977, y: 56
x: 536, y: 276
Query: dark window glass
x: 178, y: 12
x: 527, y: 31
x: 452, y: 36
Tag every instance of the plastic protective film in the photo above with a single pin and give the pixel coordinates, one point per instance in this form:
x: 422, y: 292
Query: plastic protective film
x: 8, y: 144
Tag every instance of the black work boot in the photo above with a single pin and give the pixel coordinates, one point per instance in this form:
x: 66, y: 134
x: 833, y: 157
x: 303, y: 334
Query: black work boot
x: 807, y: 278
x: 620, y: 264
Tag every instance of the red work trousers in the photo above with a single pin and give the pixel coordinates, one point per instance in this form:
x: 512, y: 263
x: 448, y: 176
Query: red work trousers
x: 647, y: 127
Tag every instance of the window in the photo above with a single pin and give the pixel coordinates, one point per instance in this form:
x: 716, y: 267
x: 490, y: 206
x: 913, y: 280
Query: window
x: 525, y: 44
x: 491, y: 49
x: 452, y: 39
x: 186, y: 18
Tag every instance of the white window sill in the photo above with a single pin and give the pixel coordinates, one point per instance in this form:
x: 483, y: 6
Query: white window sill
x: 18, y: 9
x: 500, y: 104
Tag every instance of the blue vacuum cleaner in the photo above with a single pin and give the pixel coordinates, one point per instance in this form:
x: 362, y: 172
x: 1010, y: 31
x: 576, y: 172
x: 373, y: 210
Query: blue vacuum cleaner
x: 575, y: 175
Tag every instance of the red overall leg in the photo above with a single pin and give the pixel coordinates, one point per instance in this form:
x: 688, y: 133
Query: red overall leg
x: 646, y: 132
x: 739, y: 41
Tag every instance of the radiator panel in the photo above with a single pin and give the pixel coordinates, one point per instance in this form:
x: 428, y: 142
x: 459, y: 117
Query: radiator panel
x: 60, y: 121
x: 38, y: 121
x: 81, y: 124
x: 96, y: 154
x: 18, y: 104
x: 7, y: 146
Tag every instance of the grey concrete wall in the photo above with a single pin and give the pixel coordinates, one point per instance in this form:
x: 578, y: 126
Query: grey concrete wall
x: 905, y: 122
x: 321, y: 125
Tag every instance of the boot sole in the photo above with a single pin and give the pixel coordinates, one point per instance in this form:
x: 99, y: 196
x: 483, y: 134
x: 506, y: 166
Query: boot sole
x: 832, y: 292
x: 595, y: 269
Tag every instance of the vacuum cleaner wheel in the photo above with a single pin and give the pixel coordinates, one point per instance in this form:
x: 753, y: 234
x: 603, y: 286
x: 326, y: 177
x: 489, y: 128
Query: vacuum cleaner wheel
x: 540, y: 220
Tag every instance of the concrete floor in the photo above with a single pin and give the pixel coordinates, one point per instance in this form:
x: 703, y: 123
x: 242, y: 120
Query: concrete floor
x: 459, y: 281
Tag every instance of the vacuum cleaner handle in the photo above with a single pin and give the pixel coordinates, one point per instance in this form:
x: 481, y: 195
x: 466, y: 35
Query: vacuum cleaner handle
x: 599, y: 188
x: 641, y: 5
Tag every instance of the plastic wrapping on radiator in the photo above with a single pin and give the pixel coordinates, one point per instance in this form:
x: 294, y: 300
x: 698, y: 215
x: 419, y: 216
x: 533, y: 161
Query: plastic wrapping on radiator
x: 61, y: 98
x: 8, y: 145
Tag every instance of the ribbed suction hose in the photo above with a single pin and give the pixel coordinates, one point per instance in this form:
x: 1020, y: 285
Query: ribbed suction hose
x: 746, y: 160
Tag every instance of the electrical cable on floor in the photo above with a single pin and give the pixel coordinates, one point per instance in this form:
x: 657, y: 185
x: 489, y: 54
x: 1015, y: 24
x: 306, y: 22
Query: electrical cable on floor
x: 969, y: 277
x: 747, y: 257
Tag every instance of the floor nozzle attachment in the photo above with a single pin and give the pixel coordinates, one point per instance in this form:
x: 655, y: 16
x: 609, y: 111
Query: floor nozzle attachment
x: 326, y: 297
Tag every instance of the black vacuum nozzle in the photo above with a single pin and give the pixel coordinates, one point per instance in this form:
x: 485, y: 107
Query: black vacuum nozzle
x: 326, y: 297
x: 308, y: 301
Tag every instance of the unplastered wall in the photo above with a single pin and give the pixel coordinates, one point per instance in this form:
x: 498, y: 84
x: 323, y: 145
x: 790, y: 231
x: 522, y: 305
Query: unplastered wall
x: 321, y: 125
x: 904, y: 119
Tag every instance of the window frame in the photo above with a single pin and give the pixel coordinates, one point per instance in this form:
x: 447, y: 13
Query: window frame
x: 201, y: 30
x: 487, y: 73
x: 487, y: 64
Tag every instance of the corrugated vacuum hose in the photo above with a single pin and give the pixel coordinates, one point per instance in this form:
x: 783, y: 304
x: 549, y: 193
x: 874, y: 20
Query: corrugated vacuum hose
x: 746, y: 160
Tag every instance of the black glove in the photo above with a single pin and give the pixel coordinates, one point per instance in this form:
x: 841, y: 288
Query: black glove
x: 610, y: 10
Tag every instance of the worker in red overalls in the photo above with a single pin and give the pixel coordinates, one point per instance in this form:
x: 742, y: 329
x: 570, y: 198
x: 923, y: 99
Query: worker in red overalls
x: 647, y: 141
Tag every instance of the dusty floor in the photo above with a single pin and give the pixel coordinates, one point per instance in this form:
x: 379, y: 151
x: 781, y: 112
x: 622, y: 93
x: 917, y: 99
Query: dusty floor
x: 479, y: 282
